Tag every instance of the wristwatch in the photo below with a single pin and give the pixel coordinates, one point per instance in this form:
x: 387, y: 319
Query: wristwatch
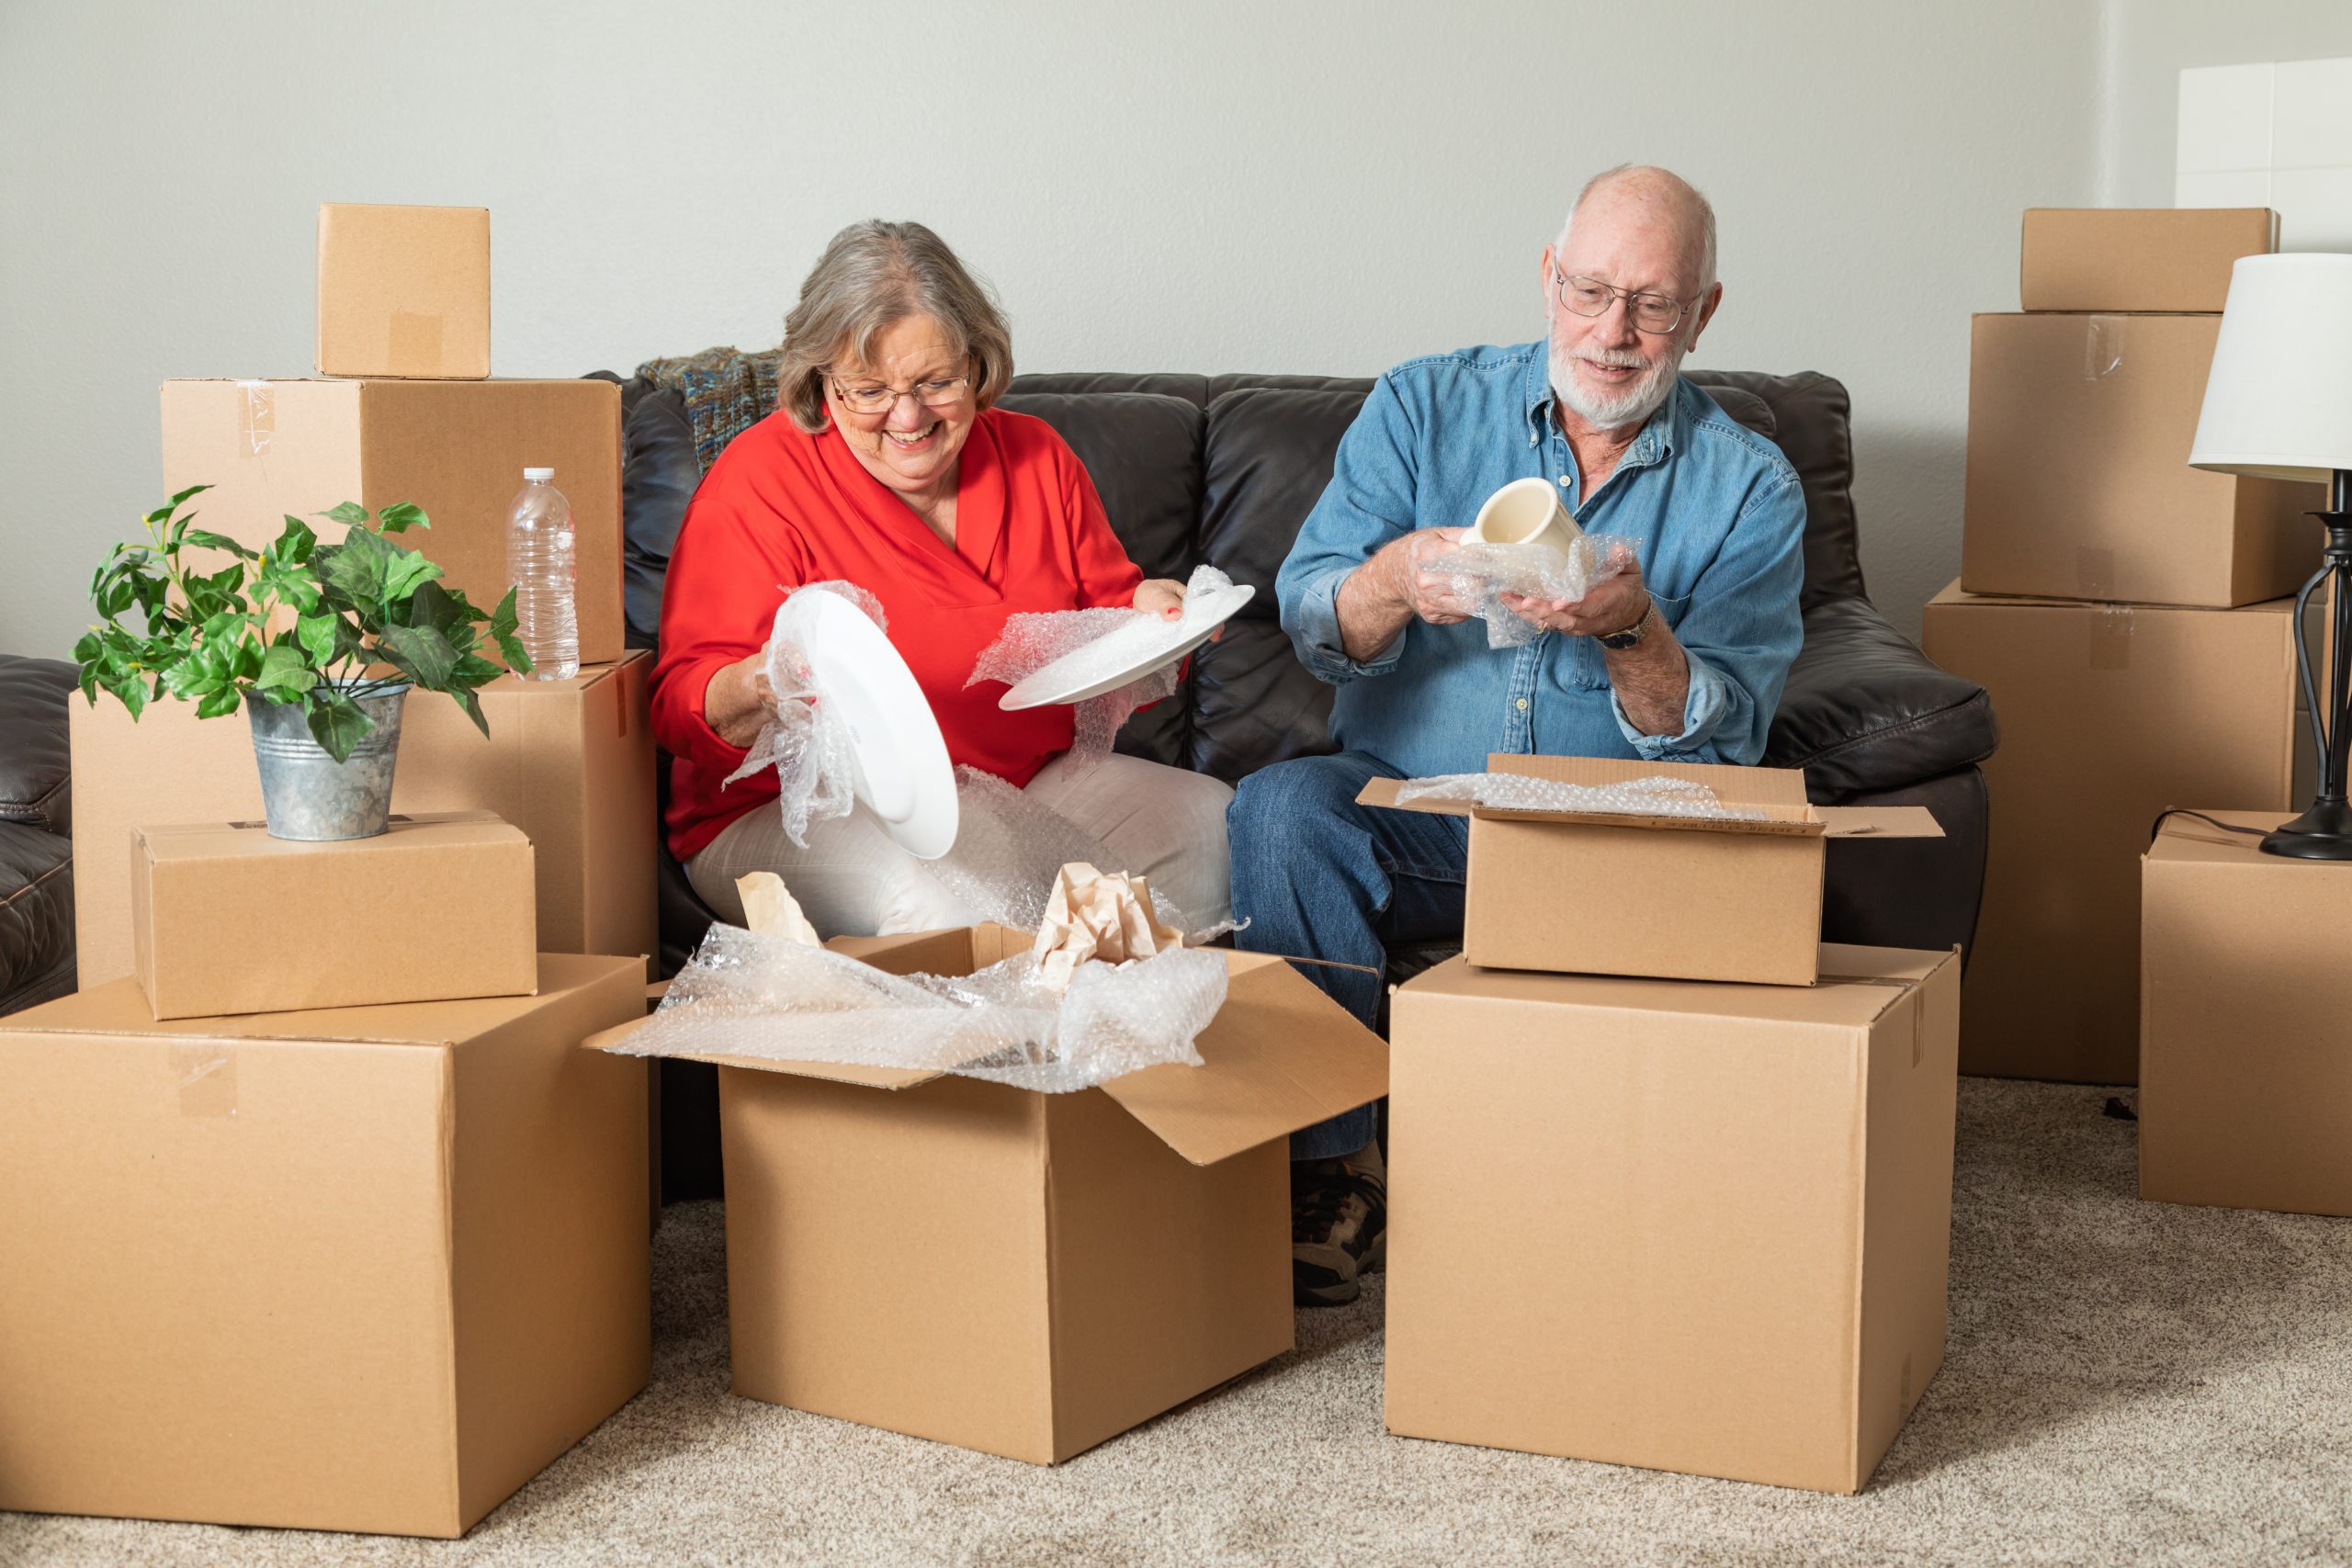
x: 1635, y: 633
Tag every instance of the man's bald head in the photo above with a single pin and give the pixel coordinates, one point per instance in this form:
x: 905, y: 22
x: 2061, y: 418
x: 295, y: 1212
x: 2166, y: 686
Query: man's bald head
x: 1641, y: 192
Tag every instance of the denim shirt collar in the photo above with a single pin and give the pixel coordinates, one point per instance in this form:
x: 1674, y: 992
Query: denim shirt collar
x: 1662, y: 434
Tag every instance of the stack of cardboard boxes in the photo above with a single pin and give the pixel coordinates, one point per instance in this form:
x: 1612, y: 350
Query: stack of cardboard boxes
x: 2126, y: 611
x: 327, y: 1221
x: 1671, y: 1181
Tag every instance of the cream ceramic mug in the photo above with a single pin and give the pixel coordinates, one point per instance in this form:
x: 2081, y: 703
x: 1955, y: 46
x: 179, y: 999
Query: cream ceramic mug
x: 1527, y: 512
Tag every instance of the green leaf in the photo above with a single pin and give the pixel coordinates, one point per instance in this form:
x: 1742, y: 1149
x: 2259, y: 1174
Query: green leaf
x: 426, y: 652
x: 283, y: 674
x: 337, y: 723
x: 474, y: 671
x: 351, y: 515
x: 435, y: 605
x: 217, y: 704
x: 181, y: 500
x: 355, y: 568
x: 402, y: 576
x: 296, y: 542
x: 210, y: 541
x: 134, y: 697
x: 472, y: 705
x: 505, y: 618
x: 402, y: 515
x: 317, y: 636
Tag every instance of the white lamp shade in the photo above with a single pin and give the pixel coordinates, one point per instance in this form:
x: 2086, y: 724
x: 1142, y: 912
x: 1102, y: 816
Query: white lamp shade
x: 2278, y: 400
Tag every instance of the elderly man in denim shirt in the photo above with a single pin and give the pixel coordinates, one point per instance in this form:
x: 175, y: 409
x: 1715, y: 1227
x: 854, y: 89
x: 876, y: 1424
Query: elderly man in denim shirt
x: 1683, y: 660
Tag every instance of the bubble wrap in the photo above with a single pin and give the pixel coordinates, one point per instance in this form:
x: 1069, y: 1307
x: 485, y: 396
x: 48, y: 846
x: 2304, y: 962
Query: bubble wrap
x: 768, y: 996
x: 1657, y: 796
x: 807, y: 743
x: 1485, y: 572
x: 1032, y: 641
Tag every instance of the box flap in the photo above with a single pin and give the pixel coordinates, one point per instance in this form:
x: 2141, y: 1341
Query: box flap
x: 831, y: 1072
x: 1879, y: 822
x: 1279, y: 1056
x: 1777, y: 792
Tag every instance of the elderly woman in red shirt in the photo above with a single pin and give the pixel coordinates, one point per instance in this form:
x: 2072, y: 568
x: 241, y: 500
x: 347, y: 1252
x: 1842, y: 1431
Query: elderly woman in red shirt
x: 887, y: 465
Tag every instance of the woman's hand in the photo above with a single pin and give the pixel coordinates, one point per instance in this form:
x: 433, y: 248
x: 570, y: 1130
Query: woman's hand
x: 739, y: 701
x: 1164, y: 597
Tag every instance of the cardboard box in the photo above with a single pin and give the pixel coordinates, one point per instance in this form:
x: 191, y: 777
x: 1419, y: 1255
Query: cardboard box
x: 1685, y: 1226
x: 2078, y: 478
x: 403, y: 292
x: 452, y: 889
x: 1688, y: 898
x: 2245, y: 1083
x: 2162, y: 259
x: 363, y: 1270
x: 567, y: 763
x: 271, y: 449
x: 2108, y: 713
x: 1026, y: 1274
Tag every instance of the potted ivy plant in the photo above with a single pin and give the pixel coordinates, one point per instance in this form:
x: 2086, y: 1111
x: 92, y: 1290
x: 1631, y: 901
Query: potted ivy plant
x: 321, y: 644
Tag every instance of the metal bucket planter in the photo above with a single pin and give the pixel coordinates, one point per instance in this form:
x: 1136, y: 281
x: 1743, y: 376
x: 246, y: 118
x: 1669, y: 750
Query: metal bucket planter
x: 305, y: 792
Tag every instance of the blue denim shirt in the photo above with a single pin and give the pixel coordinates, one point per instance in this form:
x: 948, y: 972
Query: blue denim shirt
x: 1713, y: 509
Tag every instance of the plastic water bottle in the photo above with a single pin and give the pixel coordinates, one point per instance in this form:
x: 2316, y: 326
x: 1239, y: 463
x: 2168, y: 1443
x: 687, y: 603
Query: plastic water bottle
x: 540, y: 561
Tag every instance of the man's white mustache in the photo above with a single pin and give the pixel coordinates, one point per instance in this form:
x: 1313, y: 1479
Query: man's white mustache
x: 1615, y: 358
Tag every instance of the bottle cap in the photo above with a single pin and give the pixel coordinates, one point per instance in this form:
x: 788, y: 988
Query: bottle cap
x: 539, y: 476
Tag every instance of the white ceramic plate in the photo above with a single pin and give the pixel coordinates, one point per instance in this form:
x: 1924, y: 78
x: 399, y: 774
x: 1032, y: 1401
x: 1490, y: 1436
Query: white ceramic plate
x: 903, y: 773
x: 1128, y: 654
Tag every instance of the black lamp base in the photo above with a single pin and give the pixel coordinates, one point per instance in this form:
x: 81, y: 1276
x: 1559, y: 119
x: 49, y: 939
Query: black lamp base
x: 2324, y: 832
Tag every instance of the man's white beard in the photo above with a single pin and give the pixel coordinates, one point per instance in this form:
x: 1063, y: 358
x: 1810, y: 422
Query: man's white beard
x: 1633, y: 405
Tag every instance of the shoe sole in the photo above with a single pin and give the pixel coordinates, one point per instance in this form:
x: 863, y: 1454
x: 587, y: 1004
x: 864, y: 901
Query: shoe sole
x: 1342, y: 1288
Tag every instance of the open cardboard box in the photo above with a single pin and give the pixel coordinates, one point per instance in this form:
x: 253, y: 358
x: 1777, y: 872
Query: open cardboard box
x: 1022, y: 1274
x: 1674, y: 898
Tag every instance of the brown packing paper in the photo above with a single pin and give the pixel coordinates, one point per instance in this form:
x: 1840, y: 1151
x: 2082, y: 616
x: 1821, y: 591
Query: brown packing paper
x: 2246, y: 1084
x: 569, y: 764
x: 226, y: 919
x: 2108, y: 715
x: 769, y: 908
x: 359, y: 1269
x: 1045, y: 1209
x: 403, y: 292
x: 2078, y: 483
x: 456, y: 448
x: 2138, y: 259
x: 1686, y: 1226
x: 1092, y: 916
x: 1692, y: 898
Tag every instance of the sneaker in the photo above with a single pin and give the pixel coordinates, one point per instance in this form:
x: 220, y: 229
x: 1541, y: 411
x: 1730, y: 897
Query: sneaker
x: 1339, y: 1229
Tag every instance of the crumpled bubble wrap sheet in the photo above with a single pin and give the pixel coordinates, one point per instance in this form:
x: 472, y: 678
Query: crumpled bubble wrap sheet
x: 1659, y: 796
x: 1008, y: 850
x: 807, y: 741
x: 1486, y: 572
x: 1032, y: 641
x: 744, y: 993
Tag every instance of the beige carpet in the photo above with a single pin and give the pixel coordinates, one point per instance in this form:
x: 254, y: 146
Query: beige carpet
x: 2126, y: 1383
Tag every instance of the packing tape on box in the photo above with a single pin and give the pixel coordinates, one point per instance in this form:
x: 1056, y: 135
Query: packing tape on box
x: 2111, y: 636
x: 257, y: 416
x: 2094, y: 572
x: 207, y: 1077
x: 2103, y: 347
x: 415, y: 343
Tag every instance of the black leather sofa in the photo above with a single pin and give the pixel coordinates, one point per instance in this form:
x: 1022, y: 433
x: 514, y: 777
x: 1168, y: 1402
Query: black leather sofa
x: 36, y: 832
x: 1224, y: 469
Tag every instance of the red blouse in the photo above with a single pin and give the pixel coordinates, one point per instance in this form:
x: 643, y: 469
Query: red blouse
x: 781, y: 508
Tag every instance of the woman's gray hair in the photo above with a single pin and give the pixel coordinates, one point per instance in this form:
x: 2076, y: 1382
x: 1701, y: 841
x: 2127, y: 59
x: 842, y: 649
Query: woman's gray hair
x: 873, y: 275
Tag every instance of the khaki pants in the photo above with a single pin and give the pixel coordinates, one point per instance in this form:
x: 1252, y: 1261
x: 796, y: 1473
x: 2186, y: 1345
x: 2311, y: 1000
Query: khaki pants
x: 1166, y: 823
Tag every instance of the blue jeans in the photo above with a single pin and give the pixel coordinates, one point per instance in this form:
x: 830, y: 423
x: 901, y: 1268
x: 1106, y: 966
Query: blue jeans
x: 1315, y: 875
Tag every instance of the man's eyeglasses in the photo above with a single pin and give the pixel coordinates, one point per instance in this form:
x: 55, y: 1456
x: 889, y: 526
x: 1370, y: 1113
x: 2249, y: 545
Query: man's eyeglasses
x: 881, y: 399
x: 1653, y: 313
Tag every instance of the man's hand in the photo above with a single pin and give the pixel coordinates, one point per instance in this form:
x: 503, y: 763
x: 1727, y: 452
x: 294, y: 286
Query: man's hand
x: 1613, y: 605
x: 1434, y: 596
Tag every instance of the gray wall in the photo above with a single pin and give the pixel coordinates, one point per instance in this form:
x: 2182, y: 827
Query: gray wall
x: 1206, y: 186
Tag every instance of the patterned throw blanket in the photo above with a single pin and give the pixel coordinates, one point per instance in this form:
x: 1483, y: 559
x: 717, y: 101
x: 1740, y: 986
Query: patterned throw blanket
x: 726, y: 392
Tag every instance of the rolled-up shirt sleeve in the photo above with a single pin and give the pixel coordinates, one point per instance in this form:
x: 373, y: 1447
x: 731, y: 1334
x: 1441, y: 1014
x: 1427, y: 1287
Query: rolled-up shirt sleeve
x: 727, y: 576
x: 1368, y: 503
x: 1739, y: 632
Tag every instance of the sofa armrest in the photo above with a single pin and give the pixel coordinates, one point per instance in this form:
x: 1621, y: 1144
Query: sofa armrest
x: 35, y: 767
x: 1865, y: 710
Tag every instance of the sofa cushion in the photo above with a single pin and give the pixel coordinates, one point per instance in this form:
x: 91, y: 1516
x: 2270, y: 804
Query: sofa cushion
x: 36, y: 771
x: 1812, y: 425
x: 36, y: 915
x: 1864, y: 710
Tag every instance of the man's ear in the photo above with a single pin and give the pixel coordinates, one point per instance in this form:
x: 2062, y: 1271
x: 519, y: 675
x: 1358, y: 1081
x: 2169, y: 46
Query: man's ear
x: 1713, y: 298
x: 1544, y: 273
